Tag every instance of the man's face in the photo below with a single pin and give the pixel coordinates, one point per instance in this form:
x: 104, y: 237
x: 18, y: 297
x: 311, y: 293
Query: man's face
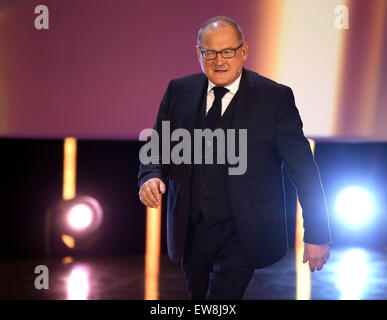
x: 221, y: 71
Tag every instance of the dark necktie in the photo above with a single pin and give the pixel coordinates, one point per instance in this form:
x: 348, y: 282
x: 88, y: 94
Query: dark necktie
x: 215, y: 112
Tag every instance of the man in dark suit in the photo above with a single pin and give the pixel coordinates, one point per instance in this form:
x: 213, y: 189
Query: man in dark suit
x: 221, y: 226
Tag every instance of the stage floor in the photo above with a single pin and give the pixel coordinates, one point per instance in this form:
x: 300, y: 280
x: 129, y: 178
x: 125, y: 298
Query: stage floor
x: 351, y: 273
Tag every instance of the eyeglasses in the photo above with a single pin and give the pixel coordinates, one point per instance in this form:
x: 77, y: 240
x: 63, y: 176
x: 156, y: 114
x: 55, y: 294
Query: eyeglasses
x: 227, y: 53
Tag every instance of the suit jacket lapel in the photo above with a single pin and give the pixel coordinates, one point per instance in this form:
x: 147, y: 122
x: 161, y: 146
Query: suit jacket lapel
x: 247, y: 99
x: 192, y: 103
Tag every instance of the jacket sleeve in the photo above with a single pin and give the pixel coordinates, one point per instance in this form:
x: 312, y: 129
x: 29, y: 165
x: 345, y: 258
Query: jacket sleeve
x: 155, y: 169
x: 295, y: 151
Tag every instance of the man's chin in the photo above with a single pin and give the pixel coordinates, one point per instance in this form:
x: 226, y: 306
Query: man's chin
x: 220, y: 80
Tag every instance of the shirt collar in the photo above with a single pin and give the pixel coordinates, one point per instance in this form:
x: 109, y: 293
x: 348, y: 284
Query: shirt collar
x: 233, y: 87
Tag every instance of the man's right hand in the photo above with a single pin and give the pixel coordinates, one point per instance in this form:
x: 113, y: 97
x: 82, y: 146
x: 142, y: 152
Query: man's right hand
x: 150, y: 192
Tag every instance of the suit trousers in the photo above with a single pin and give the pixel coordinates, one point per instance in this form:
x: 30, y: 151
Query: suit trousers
x: 214, y: 264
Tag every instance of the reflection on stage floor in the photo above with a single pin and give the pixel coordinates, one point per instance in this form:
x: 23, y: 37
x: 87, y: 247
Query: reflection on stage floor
x: 351, y: 273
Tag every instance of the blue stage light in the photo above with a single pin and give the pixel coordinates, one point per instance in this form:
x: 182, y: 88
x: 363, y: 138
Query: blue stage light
x: 354, y: 205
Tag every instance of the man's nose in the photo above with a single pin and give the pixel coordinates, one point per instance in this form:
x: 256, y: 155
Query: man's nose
x: 219, y: 60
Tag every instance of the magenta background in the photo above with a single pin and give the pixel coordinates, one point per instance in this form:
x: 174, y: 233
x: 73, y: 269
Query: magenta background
x: 101, y: 69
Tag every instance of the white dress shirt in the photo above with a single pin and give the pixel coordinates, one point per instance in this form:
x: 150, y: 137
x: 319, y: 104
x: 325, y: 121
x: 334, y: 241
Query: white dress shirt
x: 233, y: 88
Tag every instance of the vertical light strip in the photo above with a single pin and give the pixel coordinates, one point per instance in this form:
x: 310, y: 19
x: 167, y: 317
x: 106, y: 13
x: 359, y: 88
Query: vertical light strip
x: 268, y: 17
x: 340, y: 75
x: 302, y: 270
x: 69, y: 168
x: 360, y: 70
x: 374, y: 63
x: 308, y: 60
x: 152, y: 252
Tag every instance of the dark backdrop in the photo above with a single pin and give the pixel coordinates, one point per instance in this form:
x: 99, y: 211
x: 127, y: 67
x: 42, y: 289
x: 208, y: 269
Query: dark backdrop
x: 107, y: 170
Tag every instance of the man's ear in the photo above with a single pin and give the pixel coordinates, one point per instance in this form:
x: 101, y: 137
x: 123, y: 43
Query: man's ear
x: 198, y: 53
x: 245, y: 50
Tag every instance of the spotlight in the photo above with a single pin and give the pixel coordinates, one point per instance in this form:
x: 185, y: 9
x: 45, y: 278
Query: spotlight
x: 354, y: 205
x: 73, y: 225
x: 82, y: 214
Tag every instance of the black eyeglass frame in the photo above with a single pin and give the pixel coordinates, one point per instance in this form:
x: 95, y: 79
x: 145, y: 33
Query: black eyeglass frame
x: 221, y: 51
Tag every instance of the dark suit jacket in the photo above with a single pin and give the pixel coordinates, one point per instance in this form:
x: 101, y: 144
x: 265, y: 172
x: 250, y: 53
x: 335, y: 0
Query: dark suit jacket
x: 274, y: 137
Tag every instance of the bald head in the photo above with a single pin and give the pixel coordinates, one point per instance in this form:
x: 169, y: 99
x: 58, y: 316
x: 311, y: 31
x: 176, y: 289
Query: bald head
x: 217, y: 23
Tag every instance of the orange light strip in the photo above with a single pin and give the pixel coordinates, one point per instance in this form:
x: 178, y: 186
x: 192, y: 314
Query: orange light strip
x: 371, y: 80
x: 360, y: 73
x: 307, y: 60
x: 340, y: 79
x: 302, y: 270
x: 69, y: 168
x: 69, y: 178
x: 265, y: 46
x: 152, y: 252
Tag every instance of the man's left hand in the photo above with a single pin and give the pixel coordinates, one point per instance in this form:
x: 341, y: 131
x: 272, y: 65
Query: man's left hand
x: 316, y: 254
